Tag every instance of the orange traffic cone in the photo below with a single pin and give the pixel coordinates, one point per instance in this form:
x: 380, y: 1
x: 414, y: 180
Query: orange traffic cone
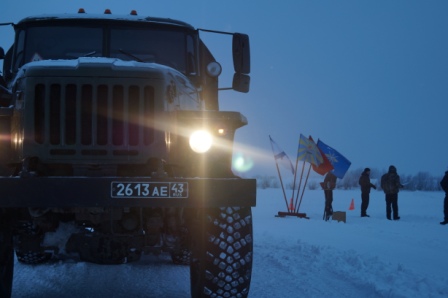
x: 352, y: 205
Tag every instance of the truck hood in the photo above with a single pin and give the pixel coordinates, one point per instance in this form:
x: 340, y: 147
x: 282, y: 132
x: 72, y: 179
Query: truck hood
x: 97, y: 67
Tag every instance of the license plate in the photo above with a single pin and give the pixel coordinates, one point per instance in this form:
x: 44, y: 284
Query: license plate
x: 149, y: 189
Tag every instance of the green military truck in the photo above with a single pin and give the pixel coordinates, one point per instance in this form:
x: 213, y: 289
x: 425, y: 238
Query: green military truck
x: 112, y: 137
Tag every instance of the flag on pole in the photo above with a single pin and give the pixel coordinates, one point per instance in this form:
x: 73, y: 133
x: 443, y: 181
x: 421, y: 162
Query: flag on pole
x: 308, y: 151
x: 281, y: 157
x: 339, y: 162
x: 325, y: 166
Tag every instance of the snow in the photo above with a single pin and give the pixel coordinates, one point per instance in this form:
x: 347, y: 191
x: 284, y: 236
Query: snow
x: 293, y: 257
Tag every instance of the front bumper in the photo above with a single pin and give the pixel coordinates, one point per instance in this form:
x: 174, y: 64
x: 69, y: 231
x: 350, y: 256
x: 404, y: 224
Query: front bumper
x: 85, y: 192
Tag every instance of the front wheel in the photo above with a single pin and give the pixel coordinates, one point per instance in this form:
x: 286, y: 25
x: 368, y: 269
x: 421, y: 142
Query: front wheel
x: 222, y: 252
x: 29, y: 249
x: 181, y: 254
x: 6, y: 262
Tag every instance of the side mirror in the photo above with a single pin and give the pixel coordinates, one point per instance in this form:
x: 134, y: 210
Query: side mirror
x: 241, y: 53
x: 241, y: 82
x: 2, y: 53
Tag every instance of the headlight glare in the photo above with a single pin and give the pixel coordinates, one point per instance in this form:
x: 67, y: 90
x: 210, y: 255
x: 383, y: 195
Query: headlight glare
x: 201, y: 141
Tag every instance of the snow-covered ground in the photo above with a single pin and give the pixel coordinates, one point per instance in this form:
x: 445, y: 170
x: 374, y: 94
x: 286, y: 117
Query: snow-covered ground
x: 364, y: 257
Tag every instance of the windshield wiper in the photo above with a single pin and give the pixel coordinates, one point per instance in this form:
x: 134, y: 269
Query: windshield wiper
x: 88, y: 54
x: 130, y: 55
x: 76, y: 56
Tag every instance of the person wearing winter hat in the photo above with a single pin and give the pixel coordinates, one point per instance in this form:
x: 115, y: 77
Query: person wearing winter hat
x: 444, y: 185
x: 364, y: 182
x: 390, y: 183
x: 328, y: 185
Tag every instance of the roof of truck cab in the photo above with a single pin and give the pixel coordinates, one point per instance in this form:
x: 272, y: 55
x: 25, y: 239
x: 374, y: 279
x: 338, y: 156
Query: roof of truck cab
x: 104, y: 17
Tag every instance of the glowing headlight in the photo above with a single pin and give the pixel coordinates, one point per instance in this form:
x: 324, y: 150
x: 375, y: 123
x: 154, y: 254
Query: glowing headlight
x: 200, y: 141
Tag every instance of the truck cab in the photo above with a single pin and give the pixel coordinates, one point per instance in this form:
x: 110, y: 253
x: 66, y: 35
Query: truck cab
x: 111, y: 124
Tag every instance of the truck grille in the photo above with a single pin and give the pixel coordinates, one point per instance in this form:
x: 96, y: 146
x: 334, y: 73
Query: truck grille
x: 91, y: 119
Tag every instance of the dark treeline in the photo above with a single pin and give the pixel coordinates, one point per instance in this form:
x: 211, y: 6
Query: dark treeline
x: 423, y: 181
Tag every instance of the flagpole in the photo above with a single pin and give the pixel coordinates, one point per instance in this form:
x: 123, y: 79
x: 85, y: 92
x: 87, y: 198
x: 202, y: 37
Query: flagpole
x: 280, y: 177
x: 303, y: 191
x: 295, y: 177
x: 281, y: 182
x: 300, y: 183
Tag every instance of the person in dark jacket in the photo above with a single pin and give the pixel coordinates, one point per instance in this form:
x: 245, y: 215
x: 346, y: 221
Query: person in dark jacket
x: 364, y: 182
x: 444, y: 185
x: 390, y: 183
x: 328, y: 185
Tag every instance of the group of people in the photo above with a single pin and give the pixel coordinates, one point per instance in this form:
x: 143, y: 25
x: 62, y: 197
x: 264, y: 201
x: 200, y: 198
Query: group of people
x: 390, y: 183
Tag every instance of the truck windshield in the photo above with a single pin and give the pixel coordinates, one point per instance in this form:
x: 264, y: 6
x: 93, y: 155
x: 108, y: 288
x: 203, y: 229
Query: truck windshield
x: 168, y: 47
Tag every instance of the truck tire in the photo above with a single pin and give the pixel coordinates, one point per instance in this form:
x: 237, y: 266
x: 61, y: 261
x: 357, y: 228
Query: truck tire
x: 29, y: 250
x: 181, y: 255
x: 221, y: 261
x: 32, y: 257
x: 6, y: 263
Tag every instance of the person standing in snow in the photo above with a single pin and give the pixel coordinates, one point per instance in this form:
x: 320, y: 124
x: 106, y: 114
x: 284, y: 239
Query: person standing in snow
x: 364, y: 182
x: 390, y: 183
x: 444, y: 185
x: 328, y: 185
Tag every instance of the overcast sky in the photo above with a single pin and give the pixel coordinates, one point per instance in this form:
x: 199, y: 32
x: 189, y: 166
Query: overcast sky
x: 369, y: 78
